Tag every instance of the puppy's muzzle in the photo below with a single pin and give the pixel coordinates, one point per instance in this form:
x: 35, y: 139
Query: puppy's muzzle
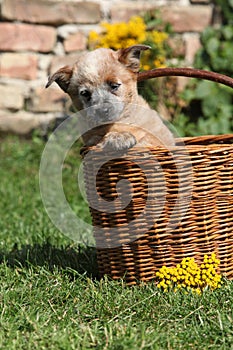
x: 102, y: 106
x: 103, y: 113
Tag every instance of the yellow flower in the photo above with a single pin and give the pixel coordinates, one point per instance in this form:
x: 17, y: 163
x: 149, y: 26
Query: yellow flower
x: 159, y: 37
x: 145, y: 66
x: 189, y: 275
x: 119, y: 35
x: 158, y: 63
x: 93, y: 36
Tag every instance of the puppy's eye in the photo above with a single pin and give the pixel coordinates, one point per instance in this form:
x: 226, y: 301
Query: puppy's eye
x: 85, y: 93
x: 114, y: 86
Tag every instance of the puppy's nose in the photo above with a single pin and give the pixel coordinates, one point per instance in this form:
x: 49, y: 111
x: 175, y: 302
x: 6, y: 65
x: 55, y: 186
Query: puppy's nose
x: 86, y: 94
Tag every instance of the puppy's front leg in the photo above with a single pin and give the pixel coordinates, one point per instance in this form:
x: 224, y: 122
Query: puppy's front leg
x: 118, y: 141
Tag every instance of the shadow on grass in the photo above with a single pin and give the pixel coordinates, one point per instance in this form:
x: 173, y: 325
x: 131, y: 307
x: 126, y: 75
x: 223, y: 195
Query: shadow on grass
x: 81, y: 260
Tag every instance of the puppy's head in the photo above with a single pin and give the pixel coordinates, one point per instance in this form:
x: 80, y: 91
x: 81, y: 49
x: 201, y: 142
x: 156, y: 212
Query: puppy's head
x: 103, y: 81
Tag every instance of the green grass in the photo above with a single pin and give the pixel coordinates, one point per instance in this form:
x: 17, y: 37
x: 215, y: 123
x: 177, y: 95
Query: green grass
x: 50, y: 293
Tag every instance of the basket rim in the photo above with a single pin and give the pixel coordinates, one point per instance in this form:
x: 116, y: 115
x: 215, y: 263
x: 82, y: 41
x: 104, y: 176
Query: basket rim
x: 209, y: 139
x: 203, y: 142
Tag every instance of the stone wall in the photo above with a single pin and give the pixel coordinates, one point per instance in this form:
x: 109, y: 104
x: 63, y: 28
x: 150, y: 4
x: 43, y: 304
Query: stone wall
x: 39, y: 36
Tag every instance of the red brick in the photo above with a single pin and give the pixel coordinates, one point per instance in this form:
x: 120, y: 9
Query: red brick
x: 18, y: 65
x: 182, y: 82
x: 75, y: 42
x: 187, y: 18
x: 200, y: 1
x: 22, y: 122
x: 193, y: 44
x: 20, y: 37
x: 51, y: 12
x: 47, y: 100
x: 183, y: 18
x: 123, y: 11
x: 11, y: 97
x: 60, y: 61
x: 177, y: 45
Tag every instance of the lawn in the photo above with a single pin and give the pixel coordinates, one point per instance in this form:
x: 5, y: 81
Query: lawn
x: 51, y: 296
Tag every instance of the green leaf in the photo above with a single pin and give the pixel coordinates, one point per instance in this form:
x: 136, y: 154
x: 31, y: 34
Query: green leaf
x: 213, y: 102
x: 188, y: 94
x: 203, y: 89
x: 208, y: 33
x: 212, y: 45
x: 227, y: 32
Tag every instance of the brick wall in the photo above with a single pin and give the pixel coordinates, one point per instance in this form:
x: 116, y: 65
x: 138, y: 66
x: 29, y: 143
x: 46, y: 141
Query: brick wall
x: 39, y: 36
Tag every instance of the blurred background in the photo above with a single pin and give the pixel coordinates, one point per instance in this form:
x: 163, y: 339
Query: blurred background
x: 39, y: 36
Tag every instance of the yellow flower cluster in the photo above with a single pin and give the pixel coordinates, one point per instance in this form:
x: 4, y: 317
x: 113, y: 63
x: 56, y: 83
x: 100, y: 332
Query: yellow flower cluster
x: 121, y: 35
x: 190, y: 276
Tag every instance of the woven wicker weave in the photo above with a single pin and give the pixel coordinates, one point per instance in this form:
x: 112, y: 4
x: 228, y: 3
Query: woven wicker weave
x: 202, y: 222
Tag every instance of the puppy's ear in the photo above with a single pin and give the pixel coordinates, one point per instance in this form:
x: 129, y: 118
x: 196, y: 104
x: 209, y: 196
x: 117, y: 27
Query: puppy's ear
x: 61, y: 77
x: 130, y: 56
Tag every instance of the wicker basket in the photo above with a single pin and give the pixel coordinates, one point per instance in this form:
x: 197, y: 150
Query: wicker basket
x: 180, y: 201
x: 154, y: 229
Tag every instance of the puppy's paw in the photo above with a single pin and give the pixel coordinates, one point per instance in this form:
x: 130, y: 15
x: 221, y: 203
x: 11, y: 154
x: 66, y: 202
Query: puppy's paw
x: 116, y: 141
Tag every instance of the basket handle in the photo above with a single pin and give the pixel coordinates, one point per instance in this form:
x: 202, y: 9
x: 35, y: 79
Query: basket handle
x: 186, y: 72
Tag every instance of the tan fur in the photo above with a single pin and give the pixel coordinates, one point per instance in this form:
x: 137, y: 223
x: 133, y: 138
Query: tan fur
x: 104, y: 82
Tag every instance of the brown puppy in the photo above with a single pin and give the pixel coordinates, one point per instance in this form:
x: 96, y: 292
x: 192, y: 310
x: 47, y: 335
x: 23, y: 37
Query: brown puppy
x: 103, y: 82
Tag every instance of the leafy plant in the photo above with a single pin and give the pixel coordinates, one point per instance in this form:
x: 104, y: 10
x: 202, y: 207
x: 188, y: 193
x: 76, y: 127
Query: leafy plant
x: 209, y: 106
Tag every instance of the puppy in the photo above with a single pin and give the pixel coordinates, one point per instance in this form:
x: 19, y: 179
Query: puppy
x: 103, y: 83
